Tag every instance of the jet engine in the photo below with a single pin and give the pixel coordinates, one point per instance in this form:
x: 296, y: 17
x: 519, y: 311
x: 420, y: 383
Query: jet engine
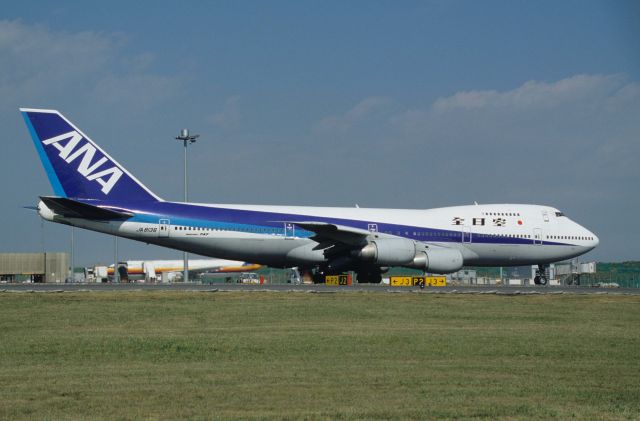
x: 45, y: 212
x: 389, y: 252
x: 403, y: 252
x: 438, y: 260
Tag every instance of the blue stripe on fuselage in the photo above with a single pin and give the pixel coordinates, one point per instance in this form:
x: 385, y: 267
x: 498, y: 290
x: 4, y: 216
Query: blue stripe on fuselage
x: 269, y: 223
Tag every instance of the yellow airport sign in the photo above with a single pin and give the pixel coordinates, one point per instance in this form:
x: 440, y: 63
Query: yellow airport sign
x: 408, y: 281
x: 401, y: 281
x: 337, y: 280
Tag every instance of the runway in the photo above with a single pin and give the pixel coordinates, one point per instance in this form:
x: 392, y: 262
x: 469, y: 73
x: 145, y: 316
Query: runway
x: 318, y: 288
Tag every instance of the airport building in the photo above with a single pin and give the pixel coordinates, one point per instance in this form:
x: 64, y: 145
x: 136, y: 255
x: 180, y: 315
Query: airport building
x: 465, y: 276
x: 34, y: 267
x: 562, y: 273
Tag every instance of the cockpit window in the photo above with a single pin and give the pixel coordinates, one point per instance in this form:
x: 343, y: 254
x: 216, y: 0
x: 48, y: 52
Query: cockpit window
x: 559, y: 214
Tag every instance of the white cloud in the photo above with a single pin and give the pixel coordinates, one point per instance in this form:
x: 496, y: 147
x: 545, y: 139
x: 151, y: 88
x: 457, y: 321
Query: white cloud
x: 578, y: 112
x: 230, y: 115
x: 582, y: 129
x: 365, y: 109
x: 535, y: 94
x: 45, y: 67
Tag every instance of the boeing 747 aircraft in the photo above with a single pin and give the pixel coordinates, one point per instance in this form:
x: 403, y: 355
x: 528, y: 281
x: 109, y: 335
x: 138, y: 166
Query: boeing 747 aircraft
x: 93, y: 191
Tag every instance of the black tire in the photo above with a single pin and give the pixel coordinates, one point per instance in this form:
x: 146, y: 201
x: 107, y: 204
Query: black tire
x: 376, y: 278
x: 536, y: 280
x: 361, y: 277
x: 367, y: 277
x: 543, y: 280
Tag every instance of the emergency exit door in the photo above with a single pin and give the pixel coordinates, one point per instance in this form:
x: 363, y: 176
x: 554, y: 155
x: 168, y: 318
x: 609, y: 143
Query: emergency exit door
x: 289, y: 230
x: 537, y: 236
x: 466, y: 234
x: 163, y: 228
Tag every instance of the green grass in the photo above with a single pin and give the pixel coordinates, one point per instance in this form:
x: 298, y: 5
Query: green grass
x: 167, y: 355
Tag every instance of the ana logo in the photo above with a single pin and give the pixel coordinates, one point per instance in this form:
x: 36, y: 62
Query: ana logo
x: 107, y: 178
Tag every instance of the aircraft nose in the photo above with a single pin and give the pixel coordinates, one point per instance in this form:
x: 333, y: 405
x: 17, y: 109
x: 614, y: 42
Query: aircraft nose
x: 593, y: 240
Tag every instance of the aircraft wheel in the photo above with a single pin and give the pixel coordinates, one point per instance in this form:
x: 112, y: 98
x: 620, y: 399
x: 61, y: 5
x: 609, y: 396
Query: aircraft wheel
x: 536, y: 280
x: 366, y: 277
x: 362, y: 278
x: 543, y: 280
x: 376, y: 278
x: 318, y: 278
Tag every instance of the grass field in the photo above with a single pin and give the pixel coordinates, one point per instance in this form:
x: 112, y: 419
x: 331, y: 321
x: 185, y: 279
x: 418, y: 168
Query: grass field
x: 202, y: 355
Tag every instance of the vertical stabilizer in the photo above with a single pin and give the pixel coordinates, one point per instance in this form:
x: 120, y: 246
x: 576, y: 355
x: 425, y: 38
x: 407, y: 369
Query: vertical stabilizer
x: 75, y: 165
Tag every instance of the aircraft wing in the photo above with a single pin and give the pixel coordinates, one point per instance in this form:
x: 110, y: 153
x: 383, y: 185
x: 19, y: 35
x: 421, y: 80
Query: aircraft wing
x: 73, y: 209
x: 331, y: 234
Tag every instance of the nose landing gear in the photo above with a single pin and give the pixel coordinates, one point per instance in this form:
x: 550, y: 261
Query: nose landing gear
x: 541, y: 277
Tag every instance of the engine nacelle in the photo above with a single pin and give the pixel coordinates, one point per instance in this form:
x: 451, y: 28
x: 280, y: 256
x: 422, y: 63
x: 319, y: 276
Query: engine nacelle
x: 403, y: 252
x: 305, y: 254
x: 45, y: 212
x: 389, y: 252
x: 439, y: 260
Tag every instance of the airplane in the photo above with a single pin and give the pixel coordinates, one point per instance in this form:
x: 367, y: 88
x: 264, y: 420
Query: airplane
x: 93, y: 191
x: 140, y: 269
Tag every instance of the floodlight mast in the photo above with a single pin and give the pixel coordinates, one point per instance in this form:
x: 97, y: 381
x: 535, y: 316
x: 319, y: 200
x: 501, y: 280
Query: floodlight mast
x: 186, y: 139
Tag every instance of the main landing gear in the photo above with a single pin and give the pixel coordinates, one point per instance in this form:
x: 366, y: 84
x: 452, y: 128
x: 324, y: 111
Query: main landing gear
x: 541, y: 277
x: 364, y: 274
x: 369, y: 275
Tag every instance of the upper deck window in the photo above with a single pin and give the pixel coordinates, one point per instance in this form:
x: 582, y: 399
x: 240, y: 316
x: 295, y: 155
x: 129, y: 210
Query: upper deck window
x: 559, y: 214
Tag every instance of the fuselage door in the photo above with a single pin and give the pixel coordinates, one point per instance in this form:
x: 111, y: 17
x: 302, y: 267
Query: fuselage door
x: 466, y: 234
x: 289, y: 230
x: 545, y: 216
x: 163, y: 228
x: 537, y: 236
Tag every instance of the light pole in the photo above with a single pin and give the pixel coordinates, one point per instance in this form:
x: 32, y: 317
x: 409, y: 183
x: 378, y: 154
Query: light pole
x: 186, y: 139
x: 116, y: 275
x: 71, y: 277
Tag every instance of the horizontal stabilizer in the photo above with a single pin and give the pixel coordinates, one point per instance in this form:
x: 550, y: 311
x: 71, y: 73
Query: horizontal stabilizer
x: 73, y: 209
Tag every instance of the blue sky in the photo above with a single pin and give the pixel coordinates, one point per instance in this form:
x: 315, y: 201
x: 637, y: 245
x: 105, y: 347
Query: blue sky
x: 384, y: 104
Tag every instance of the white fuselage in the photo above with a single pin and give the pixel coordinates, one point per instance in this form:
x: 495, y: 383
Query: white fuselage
x: 486, y: 235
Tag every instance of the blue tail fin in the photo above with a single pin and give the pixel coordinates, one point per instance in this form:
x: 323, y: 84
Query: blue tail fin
x: 75, y: 165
